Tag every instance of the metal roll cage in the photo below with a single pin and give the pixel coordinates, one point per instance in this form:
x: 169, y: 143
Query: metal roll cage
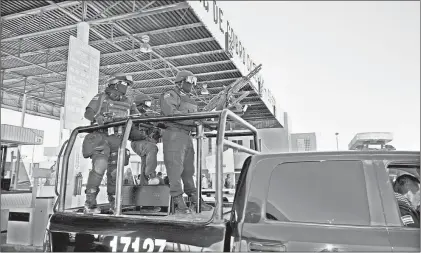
x: 222, y: 117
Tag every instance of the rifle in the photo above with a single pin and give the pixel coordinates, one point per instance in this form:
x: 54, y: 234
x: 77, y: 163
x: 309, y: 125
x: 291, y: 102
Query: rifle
x: 226, y: 99
x: 151, y: 131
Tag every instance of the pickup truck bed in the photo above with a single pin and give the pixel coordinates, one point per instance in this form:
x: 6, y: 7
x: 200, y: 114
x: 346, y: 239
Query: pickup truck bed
x: 186, y: 231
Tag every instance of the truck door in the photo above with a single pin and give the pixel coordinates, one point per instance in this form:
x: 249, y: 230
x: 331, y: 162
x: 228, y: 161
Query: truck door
x: 318, y: 206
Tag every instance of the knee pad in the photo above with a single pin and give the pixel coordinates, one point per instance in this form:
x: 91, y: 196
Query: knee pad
x: 112, y: 159
x: 152, y: 148
x: 93, y: 190
x: 99, y: 164
x: 94, y: 143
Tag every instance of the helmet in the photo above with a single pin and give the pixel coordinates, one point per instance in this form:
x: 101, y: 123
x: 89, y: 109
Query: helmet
x: 143, y: 99
x: 187, y: 76
x: 120, y: 83
x: 121, y: 77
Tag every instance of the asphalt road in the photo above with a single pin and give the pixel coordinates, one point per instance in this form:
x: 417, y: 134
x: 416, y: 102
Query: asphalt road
x: 16, y: 248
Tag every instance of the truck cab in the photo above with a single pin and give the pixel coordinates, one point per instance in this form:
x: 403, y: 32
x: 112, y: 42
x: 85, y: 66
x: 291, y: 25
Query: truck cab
x: 322, y: 201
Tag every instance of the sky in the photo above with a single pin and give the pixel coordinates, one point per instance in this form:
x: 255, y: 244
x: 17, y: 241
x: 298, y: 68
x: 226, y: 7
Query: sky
x: 345, y: 67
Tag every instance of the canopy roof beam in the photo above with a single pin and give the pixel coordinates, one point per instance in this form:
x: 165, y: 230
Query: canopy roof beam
x: 175, y: 57
x: 134, y: 39
x: 29, y: 96
x: 116, y: 39
x: 31, y: 64
x: 132, y: 15
x: 7, y: 81
x: 39, y: 10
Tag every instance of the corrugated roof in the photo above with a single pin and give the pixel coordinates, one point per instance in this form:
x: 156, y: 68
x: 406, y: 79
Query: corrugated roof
x: 35, y: 38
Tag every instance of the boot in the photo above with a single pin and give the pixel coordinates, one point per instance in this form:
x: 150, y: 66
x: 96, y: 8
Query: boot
x: 203, y: 206
x: 180, y: 205
x: 143, y: 180
x: 90, y: 202
x: 111, y: 200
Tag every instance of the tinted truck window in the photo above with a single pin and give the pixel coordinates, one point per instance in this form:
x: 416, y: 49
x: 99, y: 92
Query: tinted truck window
x: 328, y: 192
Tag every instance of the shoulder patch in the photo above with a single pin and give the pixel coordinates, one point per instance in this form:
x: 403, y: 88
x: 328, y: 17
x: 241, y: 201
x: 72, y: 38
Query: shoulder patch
x: 407, y: 219
x: 96, y: 97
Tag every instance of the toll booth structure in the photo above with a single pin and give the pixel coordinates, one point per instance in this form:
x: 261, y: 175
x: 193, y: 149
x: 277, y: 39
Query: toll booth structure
x: 46, y: 65
x: 22, y: 213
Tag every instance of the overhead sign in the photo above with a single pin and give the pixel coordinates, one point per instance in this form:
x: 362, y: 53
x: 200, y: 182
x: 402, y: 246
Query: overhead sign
x: 219, y: 25
x: 268, y: 99
x: 81, y: 87
x: 215, y: 20
x: 81, y: 81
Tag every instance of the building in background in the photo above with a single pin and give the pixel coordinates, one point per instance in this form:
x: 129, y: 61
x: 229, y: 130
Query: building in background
x: 272, y: 140
x: 302, y: 142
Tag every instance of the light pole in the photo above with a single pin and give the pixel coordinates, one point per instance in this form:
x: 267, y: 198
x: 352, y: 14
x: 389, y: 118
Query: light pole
x: 337, y: 141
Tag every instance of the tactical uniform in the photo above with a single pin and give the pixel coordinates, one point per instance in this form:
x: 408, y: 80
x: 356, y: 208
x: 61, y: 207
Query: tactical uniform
x: 178, y: 144
x: 102, y: 145
x: 144, y: 140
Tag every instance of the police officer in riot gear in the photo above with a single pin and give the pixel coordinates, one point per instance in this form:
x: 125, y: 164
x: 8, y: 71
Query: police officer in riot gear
x: 144, y: 140
x: 177, y: 141
x: 102, y: 145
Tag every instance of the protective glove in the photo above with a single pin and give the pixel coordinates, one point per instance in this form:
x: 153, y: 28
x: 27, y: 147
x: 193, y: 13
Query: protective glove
x: 156, y: 135
x: 198, y: 121
x: 161, y: 125
x: 100, y: 120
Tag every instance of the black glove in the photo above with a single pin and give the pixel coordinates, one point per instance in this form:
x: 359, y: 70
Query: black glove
x: 100, y: 120
x: 156, y: 134
x: 161, y: 125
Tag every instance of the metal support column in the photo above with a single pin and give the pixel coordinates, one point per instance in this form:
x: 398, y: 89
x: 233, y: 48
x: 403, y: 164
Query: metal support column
x: 2, y: 78
x: 120, y: 168
x: 22, y: 119
x: 15, y: 184
x: 61, y: 138
x: 199, y: 161
x: 83, y: 32
x: 12, y: 169
x: 219, y: 166
x: 3, y: 160
x: 84, y: 10
x: 22, y: 122
x: 24, y: 99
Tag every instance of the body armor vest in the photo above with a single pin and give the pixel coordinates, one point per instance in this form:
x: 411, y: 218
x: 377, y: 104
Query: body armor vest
x: 186, y: 105
x: 119, y: 109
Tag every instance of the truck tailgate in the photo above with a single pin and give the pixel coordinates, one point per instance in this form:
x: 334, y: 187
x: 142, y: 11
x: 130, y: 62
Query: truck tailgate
x: 76, y: 232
